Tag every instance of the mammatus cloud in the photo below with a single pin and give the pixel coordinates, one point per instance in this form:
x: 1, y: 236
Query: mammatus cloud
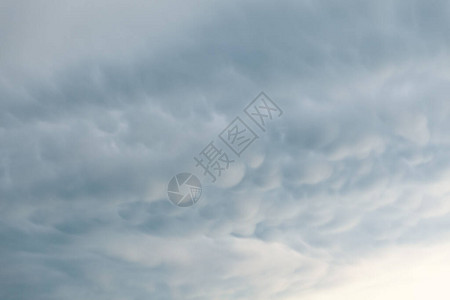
x: 345, y: 196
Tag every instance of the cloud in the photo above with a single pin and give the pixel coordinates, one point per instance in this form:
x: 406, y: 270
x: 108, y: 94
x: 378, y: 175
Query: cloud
x: 102, y: 103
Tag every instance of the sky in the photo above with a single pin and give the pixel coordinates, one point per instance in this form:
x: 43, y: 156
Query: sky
x: 346, y: 195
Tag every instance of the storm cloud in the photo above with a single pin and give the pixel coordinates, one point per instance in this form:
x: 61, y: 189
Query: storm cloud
x: 102, y: 102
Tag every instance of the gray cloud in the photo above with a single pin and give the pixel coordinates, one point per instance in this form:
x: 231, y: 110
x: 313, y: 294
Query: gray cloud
x: 101, y: 104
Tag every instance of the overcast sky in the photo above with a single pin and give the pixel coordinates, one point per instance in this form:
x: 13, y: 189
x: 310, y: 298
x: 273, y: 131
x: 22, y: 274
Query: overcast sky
x: 345, y: 196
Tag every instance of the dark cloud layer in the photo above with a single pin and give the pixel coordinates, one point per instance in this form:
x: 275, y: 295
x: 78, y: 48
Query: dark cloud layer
x: 100, y: 104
